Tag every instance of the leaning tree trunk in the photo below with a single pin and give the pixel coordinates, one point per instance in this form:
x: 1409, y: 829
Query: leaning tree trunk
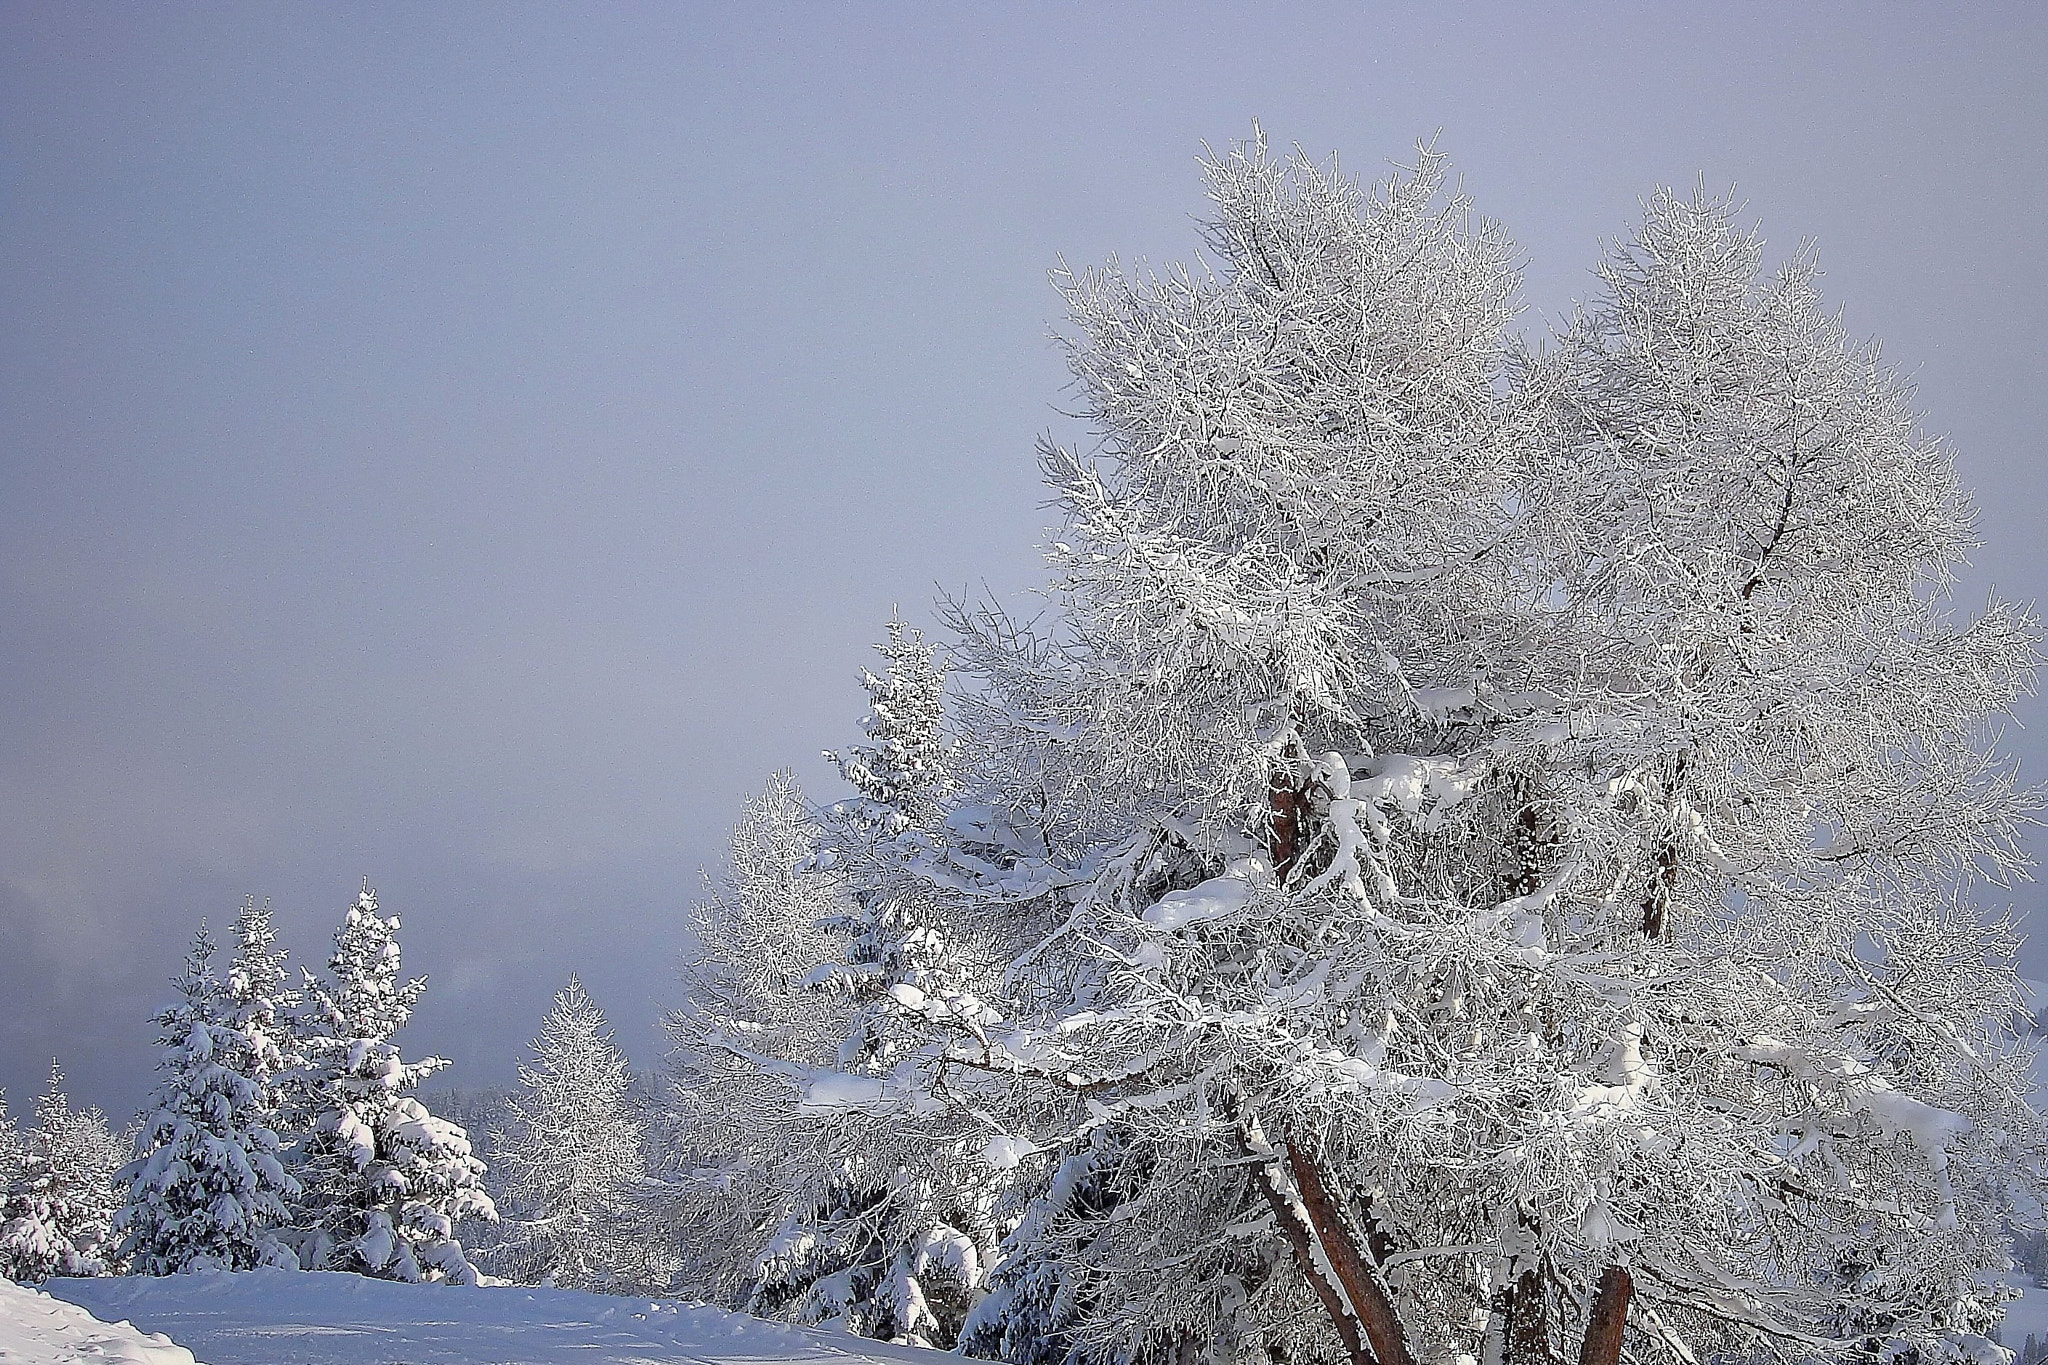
x: 1301, y: 1240
x: 1606, y: 1322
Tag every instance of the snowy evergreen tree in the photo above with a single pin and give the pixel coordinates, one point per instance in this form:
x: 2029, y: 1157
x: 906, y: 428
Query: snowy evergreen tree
x: 825, y: 1212
x: 384, y: 1180
x: 13, y: 1152
x: 57, y: 1218
x: 572, y: 1160
x: 260, y: 1005
x: 902, y: 766
x: 207, y: 1187
x: 1484, y: 854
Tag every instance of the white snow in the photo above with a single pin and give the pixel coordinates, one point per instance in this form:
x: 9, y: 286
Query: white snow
x: 36, y: 1329
x: 1213, y: 899
x: 263, y: 1317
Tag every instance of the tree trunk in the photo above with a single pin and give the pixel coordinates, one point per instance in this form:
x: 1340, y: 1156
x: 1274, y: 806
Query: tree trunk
x: 1301, y: 1241
x: 1500, y: 1325
x: 1283, y: 840
x: 1360, y: 1280
x: 1605, y: 1323
x: 1529, y: 1319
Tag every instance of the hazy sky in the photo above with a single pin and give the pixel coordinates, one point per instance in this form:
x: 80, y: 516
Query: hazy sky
x: 471, y: 445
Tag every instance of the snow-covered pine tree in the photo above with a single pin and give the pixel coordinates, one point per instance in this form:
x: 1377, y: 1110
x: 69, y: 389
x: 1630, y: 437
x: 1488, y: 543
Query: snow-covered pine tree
x: 830, y: 1204
x: 13, y: 1153
x: 57, y: 1218
x: 572, y: 1161
x: 260, y: 1007
x: 901, y: 768
x: 1491, y: 836
x: 385, y: 1181
x: 207, y: 1186
x: 907, y: 1224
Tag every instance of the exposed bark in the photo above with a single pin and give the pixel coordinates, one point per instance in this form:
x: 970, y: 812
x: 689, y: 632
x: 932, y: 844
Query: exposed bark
x: 1529, y: 1319
x: 1359, y: 1278
x: 1283, y: 839
x: 1608, y: 1318
x: 1664, y: 875
x: 1301, y: 1241
x: 1494, y: 1349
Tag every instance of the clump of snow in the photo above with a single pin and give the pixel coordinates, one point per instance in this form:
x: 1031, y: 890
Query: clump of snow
x: 1213, y: 899
x: 1003, y: 1152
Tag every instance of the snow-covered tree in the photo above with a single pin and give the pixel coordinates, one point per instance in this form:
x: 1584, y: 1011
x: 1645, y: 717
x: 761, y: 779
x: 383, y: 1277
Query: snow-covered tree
x: 207, y: 1187
x: 260, y: 1004
x: 385, y: 1181
x: 829, y: 1211
x: 1483, y: 853
x: 901, y: 768
x: 13, y: 1153
x: 572, y: 1161
x: 734, y: 1142
x: 57, y: 1218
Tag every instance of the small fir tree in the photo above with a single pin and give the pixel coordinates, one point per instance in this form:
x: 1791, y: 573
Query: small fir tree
x: 385, y: 1181
x: 13, y: 1150
x: 207, y: 1187
x: 59, y: 1210
x: 572, y: 1161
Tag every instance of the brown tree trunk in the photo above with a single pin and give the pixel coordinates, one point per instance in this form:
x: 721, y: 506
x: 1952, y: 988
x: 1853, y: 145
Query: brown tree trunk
x: 1283, y: 840
x: 1301, y: 1241
x: 1529, y: 1321
x: 1605, y: 1323
x: 1360, y: 1280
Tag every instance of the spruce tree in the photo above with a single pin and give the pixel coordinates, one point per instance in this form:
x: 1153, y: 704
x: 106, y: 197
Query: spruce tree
x: 385, y: 1181
x: 207, y: 1188
x: 57, y: 1218
x: 260, y: 1005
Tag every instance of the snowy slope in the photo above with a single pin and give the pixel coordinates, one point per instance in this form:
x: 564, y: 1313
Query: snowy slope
x: 36, y: 1329
x: 281, y: 1317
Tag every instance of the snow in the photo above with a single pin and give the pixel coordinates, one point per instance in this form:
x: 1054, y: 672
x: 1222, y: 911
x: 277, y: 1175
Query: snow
x: 262, y: 1317
x: 2025, y: 1316
x: 36, y: 1329
x: 1213, y: 899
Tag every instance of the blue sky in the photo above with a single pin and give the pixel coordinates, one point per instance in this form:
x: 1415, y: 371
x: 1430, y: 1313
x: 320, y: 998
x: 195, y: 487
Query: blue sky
x: 471, y: 445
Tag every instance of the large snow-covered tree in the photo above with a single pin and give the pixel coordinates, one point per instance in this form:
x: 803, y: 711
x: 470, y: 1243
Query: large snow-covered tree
x: 385, y: 1181
x: 207, y: 1187
x: 57, y: 1217
x: 572, y: 1160
x: 1485, y: 852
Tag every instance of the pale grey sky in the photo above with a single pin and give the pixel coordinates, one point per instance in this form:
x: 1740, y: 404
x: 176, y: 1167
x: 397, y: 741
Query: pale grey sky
x: 472, y: 444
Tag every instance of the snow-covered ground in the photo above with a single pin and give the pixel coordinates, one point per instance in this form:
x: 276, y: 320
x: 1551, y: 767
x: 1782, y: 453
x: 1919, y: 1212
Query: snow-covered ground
x: 272, y: 1317
x: 275, y: 1317
x: 36, y: 1329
